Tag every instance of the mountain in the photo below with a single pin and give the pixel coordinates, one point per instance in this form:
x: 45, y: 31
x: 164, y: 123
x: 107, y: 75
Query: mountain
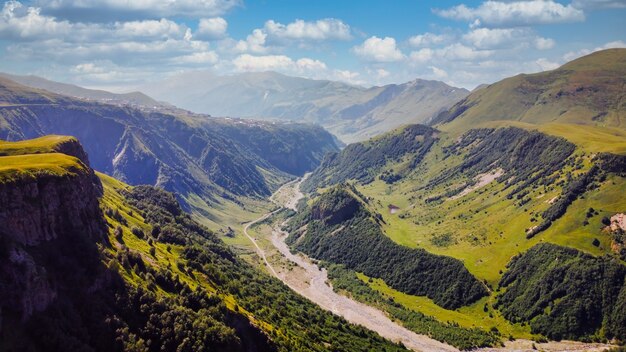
x: 352, y: 113
x: 206, y: 161
x: 92, y: 264
x: 587, y: 91
x: 522, y: 182
x: 132, y: 98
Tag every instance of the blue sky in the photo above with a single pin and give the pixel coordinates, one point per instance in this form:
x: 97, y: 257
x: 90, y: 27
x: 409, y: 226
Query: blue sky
x: 120, y: 44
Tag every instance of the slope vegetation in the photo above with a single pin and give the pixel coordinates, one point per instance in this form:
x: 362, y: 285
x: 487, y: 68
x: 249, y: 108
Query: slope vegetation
x: 94, y: 264
x: 339, y: 229
x: 589, y: 90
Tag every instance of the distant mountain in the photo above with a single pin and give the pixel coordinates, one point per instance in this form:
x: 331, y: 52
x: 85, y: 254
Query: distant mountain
x: 134, y: 98
x: 353, y: 113
x: 193, y: 155
x: 589, y: 90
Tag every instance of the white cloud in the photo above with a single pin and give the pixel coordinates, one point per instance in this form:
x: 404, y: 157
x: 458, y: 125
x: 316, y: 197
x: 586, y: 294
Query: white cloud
x: 27, y: 23
x: 544, y: 43
x: 247, y: 62
x: 427, y: 39
x: 379, y: 50
x: 499, y: 38
x: 254, y: 43
x: 204, y: 57
x: 382, y: 73
x: 461, y: 52
x: 514, y: 13
x: 310, y: 64
x: 139, y: 8
x: 19, y: 22
x: 320, y: 30
x: 87, y: 68
x: 493, y: 38
x: 599, y: 4
x: 148, y: 29
x: 453, y: 52
x: 211, y: 28
x: 347, y: 76
x: 422, y: 55
x: 438, y: 73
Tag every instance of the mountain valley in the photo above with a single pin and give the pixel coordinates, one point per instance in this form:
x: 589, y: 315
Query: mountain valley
x: 495, y: 219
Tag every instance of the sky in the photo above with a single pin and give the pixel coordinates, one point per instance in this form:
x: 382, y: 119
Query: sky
x: 121, y: 44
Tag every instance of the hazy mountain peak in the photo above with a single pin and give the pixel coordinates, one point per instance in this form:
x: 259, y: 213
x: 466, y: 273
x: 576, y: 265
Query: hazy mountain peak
x: 351, y: 112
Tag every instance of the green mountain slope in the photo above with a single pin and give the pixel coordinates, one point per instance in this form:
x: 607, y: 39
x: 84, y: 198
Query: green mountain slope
x: 520, y: 173
x: 96, y: 265
x: 589, y: 91
x: 329, y: 228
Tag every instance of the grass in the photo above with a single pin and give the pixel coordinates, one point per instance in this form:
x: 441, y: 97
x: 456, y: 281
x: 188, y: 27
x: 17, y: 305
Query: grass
x: 468, y: 317
x: 166, y: 255
x: 591, y: 139
x: 219, y: 216
x: 45, y: 144
x: 36, y: 157
x: 29, y: 166
x: 484, y: 229
x: 586, y: 92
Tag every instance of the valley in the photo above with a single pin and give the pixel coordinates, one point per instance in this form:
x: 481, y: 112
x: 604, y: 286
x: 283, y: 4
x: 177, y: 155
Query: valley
x: 490, y: 220
x: 305, y: 277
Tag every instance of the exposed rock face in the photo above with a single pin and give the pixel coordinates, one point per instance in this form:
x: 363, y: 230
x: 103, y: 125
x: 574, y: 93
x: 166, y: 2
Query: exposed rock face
x: 35, y: 213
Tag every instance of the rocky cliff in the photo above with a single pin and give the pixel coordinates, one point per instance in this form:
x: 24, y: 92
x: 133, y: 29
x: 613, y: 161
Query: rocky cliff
x: 43, y: 210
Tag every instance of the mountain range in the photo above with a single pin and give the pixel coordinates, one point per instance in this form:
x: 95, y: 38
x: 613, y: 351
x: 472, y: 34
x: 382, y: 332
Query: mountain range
x: 129, y: 228
x: 134, y: 98
x: 208, y: 159
x: 351, y: 112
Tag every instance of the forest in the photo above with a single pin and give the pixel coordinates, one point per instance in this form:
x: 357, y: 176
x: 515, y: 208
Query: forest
x: 341, y: 230
x: 565, y: 294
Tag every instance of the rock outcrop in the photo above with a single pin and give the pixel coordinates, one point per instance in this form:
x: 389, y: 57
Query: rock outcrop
x: 39, y: 212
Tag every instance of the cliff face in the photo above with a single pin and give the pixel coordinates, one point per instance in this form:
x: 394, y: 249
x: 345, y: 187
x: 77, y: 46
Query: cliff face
x: 37, y: 213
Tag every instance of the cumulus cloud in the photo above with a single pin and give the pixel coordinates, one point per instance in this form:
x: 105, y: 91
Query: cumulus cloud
x: 514, y: 13
x: 96, y: 10
x: 277, y: 35
x: 599, y: 4
x: 376, y: 49
x: 427, y: 39
x: 453, y: 52
x: 498, y: 38
x: 544, y: 43
x: 254, y: 43
x: 27, y: 23
x: 320, y: 30
x: 211, y: 28
x: 202, y: 58
x: 247, y: 62
x: 33, y: 36
x: 20, y: 22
